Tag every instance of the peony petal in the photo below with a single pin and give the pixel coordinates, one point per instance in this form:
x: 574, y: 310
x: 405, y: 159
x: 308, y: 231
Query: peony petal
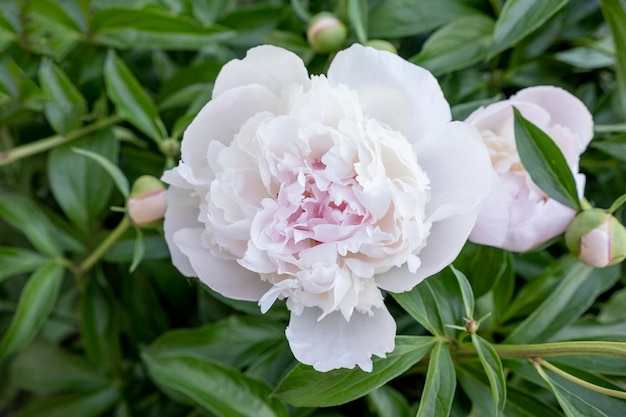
x: 220, y: 120
x: 564, y: 108
x: 225, y: 276
x: 458, y: 166
x: 181, y: 213
x: 404, y: 96
x: 266, y: 65
x: 333, y: 342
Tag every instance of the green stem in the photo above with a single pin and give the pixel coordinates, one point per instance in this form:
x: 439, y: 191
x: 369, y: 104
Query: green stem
x: 617, y: 204
x: 105, y: 245
x: 582, y: 382
x: 12, y: 155
x: 617, y: 349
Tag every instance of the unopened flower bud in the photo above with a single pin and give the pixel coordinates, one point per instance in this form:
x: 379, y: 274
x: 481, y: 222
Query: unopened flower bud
x: 169, y: 147
x: 381, y: 45
x: 326, y: 33
x: 471, y: 326
x: 147, y: 202
x: 597, y: 238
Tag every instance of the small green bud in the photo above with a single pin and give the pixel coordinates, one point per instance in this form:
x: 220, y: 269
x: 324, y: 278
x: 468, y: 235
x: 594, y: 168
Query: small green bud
x: 381, y: 45
x: 597, y: 238
x: 471, y: 326
x: 147, y: 202
x: 169, y: 147
x: 326, y: 33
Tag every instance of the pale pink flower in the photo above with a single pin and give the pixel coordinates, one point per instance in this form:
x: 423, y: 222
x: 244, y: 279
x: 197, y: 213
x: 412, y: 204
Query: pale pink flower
x: 517, y: 215
x: 323, y: 190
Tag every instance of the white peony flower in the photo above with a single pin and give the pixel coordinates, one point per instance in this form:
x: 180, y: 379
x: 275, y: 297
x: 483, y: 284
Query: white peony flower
x: 517, y: 215
x: 323, y: 190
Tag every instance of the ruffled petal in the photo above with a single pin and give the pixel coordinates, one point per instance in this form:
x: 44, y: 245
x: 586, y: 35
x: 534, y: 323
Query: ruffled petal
x: 225, y: 276
x: 458, y: 166
x: 266, y: 65
x: 220, y: 120
x: 565, y: 109
x: 181, y: 213
x: 404, y: 96
x: 333, y: 342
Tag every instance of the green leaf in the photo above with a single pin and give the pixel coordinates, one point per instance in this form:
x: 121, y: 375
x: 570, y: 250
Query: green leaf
x: 138, y: 251
x: 235, y: 341
x: 62, y: 370
x: 435, y: 303
x: 614, y: 12
x: 91, y: 404
x: 305, y: 387
x: 519, y: 18
x: 125, y: 28
x: 527, y: 404
x: 116, y: 174
x: 493, y: 368
x: 440, y: 384
x: 81, y: 187
x: 400, y: 18
x: 545, y: 163
x: 572, y: 405
x: 218, y: 389
x: 459, y: 44
x: 14, y: 261
x: 466, y: 292
x: 357, y: 15
x: 387, y: 402
x: 23, y: 214
x: 131, y: 100
x: 66, y: 107
x: 65, y: 13
x: 576, y: 292
x: 146, y: 314
x: 477, y: 389
x: 36, y: 302
x: 100, y: 326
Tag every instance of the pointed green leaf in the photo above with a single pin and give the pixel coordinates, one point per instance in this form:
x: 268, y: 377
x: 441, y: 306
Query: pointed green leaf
x: 147, y: 28
x: 576, y: 292
x: 305, y: 387
x: 36, y: 302
x: 493, y: 368
x: 138, y: 251
x: 14, y: 261
x: 62, y: 370
x: 519, y: 18
x: 220, y: 390
x: 357, y: 15
x: 545, y: 163
x: 90, y: 404
x: 100, y: 326
x: 131, y: 100
x: 387, y: 402
x: 421, y: 304
x: 440, y: 384
x: 466, y: 292
x: 459, y: 44
x: 81, y: 187
x: 23, y: 214
x: 572, y: 405
x: 66, y: 107
x: 116, y: 174
x: 614, y: 12
x: 235, y: 341
x: 477, y: 389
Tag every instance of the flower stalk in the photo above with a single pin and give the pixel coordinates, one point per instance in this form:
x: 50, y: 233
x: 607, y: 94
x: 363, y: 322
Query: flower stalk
x: 11, y: 155
x: 105, y: 245
x: 542, y: 350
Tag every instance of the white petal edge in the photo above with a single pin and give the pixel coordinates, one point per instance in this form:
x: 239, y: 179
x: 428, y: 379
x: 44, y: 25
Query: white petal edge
x: 333, y: 342
x: 565, y: 109
x: 458, y: 166
x: 266, y: 65
x: 220, y: 120
x: 392, y: 90
x: 181, y: 213
x: 225, y: 276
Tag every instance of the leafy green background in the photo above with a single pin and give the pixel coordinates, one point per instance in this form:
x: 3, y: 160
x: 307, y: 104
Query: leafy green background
x: 95, y: 93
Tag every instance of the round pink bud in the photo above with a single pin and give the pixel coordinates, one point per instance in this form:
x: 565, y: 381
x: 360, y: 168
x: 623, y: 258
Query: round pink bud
x: 326, y: 33
x: 597, y: 238
x: 147, y: 202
